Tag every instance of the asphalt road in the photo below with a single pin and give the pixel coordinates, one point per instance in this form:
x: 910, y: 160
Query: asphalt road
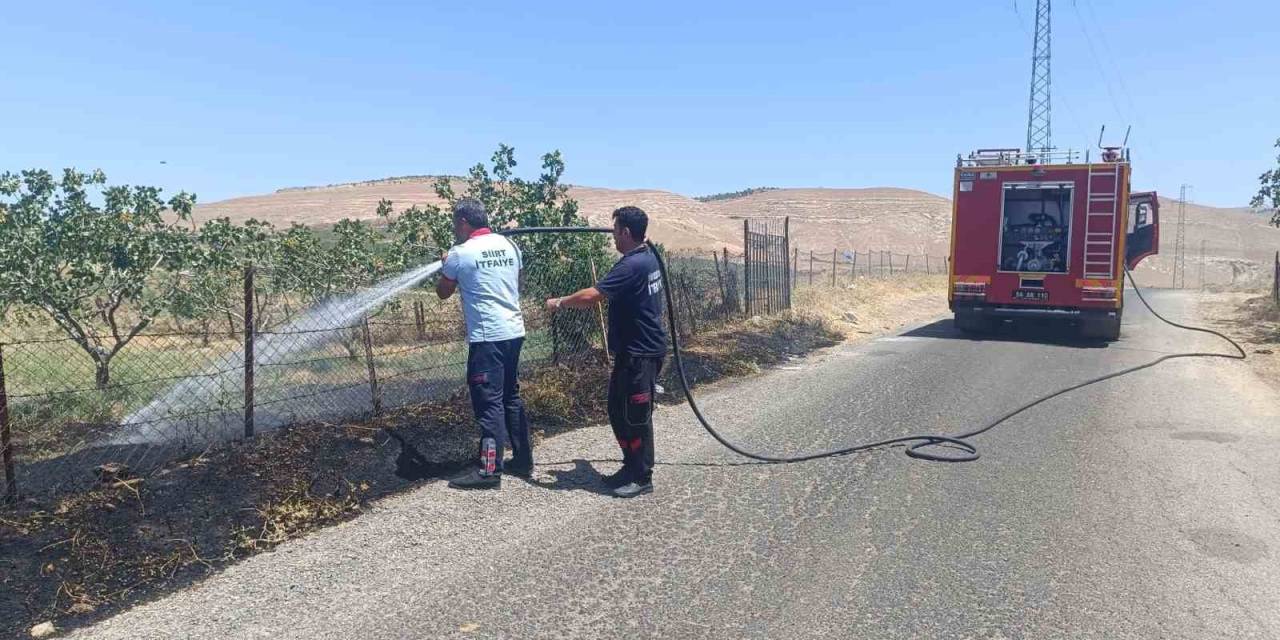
x: 1143, y: 507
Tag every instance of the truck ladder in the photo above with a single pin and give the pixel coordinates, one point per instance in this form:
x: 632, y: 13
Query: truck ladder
x: 1101, y: 204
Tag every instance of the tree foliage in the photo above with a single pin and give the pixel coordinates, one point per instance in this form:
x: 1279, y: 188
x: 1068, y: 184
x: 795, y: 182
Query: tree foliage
x: 1269, y: 191
x: 554, y: 264
x: 105, y: 262
x: 733, y: 195
x: 421, y: 233
x: 101, y: 261
x: 511, y: 201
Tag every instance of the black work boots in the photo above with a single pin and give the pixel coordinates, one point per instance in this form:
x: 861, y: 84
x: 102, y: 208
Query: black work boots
x: 519, y: 468
x: 475, y: 480
x: 616, y: 479
x: 624, y: 486
x: 633, y: 489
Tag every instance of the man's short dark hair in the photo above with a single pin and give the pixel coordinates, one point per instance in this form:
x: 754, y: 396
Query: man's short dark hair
x: 633, y: 219
x: 471, y: 211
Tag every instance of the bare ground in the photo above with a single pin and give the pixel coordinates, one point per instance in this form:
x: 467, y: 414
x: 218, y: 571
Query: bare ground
x: 1252, y: 319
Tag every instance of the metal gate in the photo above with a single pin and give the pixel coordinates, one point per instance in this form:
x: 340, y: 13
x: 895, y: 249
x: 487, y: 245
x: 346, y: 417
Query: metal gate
x: 767, y: 250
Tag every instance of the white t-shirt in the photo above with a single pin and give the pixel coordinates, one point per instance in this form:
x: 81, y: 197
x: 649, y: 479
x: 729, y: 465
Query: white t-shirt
x: 487, y: 270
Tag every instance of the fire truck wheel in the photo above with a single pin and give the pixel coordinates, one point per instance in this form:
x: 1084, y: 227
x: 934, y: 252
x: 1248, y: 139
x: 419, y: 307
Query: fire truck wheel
x: 1101, y: 327
x: 970, y: 322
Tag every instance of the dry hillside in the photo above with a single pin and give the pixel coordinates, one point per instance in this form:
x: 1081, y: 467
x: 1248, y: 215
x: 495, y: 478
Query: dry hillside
x: 1239, y: 245
x: 900, y: 220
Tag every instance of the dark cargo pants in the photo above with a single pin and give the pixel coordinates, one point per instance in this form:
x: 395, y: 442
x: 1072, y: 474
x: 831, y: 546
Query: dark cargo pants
x: 492, y: 375
x: 631, y: 395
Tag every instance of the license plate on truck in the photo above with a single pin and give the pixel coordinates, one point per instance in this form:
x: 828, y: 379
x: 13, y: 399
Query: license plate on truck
x: 1030, y: 294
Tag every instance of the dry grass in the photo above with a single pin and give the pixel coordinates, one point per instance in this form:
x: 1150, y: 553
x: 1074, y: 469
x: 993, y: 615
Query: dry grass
x: 296, y: 513
x: 874, y: 305
x: 1254, y: 321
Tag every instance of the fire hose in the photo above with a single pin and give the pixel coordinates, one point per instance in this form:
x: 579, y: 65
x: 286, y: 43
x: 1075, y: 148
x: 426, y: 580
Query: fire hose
x: 968, y: 452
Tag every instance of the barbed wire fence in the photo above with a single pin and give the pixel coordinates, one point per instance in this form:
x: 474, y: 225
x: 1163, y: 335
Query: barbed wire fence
x: 267, y: 357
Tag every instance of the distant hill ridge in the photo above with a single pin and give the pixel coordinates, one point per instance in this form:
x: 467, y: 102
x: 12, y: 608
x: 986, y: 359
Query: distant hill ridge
x: 734, y: 194
x: 364, y: 183
x: 1239, y: 244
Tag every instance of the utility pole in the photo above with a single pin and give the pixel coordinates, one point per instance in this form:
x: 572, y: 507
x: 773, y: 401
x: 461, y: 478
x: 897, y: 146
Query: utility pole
x: 1180, y: 242
x: 1038, y: 130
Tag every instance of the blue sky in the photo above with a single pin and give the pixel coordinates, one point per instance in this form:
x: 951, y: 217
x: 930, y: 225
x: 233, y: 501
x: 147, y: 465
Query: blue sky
x: 694, y: 97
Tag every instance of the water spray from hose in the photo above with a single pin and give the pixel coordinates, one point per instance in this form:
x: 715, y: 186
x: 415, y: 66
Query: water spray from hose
x: 311, y: 330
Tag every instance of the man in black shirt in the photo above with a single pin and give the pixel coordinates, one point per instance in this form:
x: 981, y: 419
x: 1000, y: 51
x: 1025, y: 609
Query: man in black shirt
x: 633, y: 288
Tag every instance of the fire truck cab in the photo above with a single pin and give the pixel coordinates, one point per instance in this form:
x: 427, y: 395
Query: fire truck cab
x: 1043, y: 236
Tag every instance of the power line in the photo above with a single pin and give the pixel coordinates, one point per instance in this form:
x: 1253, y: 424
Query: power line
x: 1093, y: 55
x: 1110, y: 57
x: 1137, y: 115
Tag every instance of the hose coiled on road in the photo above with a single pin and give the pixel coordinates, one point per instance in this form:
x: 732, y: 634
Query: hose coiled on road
x: 920, y: 442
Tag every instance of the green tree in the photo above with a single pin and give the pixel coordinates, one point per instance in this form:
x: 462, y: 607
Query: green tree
x: 357, y: 257
x: 1269, y: 191
x: 216, y: 272
x: 421, y: 233
x: 555, y: 264
x: 319, y: 268
x: 416, y: 235
x: 101, y: 265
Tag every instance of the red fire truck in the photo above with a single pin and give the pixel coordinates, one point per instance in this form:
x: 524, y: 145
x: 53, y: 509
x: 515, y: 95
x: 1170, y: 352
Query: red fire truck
x: 1043, y: 235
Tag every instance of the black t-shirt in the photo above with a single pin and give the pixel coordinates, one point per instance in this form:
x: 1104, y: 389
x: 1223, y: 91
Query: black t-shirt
x: 634, y: 290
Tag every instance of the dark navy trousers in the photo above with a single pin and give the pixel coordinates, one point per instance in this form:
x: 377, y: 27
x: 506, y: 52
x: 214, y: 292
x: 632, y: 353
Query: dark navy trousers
x: 632, y: 386
x: 492, y: 375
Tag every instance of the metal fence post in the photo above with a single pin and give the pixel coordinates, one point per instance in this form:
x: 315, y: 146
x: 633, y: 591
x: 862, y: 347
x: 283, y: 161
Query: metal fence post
x: 787, y: 266
x: 833, y: 267
x: 811, y: 267
x: 907, y: 269
x: 6, y: 442
x: 374, y: 394
x: 1275, y: 282
x: 853, y: 267
x: 249, y: 357
x: 795, y: 274
x: 926, y: 264
x: 746, y: 266
x: 420, y: 319
x: 770, y: 270
x: 890, y: 263
x: 730, y: 283
x: 715, y: 257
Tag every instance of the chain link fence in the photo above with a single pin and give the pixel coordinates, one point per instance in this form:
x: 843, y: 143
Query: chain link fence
x: 268, y: 355
x: 275, y: 358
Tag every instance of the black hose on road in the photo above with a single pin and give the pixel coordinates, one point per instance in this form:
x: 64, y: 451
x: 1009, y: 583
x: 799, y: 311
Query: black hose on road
x: 968, y: 453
